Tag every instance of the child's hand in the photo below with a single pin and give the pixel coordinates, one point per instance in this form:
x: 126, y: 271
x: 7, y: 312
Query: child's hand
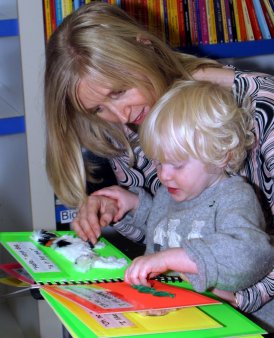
x: 145, y: 267
x: 126, y: 200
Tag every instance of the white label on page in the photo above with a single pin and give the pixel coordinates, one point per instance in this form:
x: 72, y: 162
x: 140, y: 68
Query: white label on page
x: 36, y: 260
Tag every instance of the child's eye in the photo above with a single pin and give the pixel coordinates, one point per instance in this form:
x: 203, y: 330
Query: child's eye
x: 179, y: 166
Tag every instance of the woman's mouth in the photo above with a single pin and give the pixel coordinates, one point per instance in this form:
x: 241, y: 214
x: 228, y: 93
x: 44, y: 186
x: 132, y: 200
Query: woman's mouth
x: 140, y: 118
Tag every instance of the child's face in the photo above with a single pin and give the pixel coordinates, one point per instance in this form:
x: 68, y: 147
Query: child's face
x: 187, y: 179
x: 123, y: 106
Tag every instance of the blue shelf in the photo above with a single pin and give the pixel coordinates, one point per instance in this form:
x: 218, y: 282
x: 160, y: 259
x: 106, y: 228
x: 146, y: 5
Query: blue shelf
x: 232, y: 49
x: 12, y: 125
x: 9, y: 27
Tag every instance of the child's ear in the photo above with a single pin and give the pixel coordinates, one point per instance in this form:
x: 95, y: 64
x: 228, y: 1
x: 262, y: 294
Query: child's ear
x: 143, y: 40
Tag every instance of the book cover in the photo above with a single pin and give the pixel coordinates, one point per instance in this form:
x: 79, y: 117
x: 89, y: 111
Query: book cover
x: 123, y: 297
x: 241, y: 20
x: 219, y: 21
x: 173, y: 24
x: 198, y: 23
x: 229, y: 21
x: 162, y: 20
x: 193, y: 22
x: 203, y: 21
x: 261, y: 19
x: 237, y: 20
x: 232, y: 323
x: 158, y: 20
x: 249, y: 31
x: 253, y: 19
x: 269, y: 10
x: 46, y: 265
x: 76, y: 4
x: 47, y: 19
x: 58, y: 12
x: 53, y: 15
x: 67, y: 7
x: 211, y: 22
x: 225, y: 21
x: 187, y: 23
x: 233, y: 20
x: 123, y: 324
x: 268, y: 19
x: 166, y: 23
x: 181, y: 22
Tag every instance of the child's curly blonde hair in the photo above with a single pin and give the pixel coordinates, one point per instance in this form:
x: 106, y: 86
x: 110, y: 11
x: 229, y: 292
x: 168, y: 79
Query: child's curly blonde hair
x: 201, y: 120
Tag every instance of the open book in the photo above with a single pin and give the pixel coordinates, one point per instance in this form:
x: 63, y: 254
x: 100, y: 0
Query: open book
x: 47, y: 266
x: 217, y: 321
x: 97, y: 303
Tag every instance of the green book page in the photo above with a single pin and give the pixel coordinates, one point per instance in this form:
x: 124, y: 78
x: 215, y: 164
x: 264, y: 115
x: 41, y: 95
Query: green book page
x: 45, y: 265
x: 233, y: 323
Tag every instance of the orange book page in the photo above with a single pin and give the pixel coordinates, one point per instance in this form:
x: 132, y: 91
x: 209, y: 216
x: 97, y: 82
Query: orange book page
x: 122, y: 297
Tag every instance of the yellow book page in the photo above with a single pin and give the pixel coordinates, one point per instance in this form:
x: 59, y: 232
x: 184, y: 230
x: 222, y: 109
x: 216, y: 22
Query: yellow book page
x: 122, y: 324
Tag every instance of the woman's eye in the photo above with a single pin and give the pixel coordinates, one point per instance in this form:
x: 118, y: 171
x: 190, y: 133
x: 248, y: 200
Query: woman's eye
x: 116, y: 94
x: 96, y: 110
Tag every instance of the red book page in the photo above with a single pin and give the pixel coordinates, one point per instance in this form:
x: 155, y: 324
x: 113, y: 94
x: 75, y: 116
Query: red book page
x: 122, y: 297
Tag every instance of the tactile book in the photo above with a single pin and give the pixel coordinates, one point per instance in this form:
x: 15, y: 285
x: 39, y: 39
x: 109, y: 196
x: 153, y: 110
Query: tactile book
x: 46, y: 266
x: 214, y: 321
x: 64, y: 288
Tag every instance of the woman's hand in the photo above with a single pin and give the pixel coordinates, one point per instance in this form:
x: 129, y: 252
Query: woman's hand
x: 126, y: 200
x: 97, y: 212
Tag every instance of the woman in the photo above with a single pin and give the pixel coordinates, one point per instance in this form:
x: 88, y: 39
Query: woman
x: 103, y: 74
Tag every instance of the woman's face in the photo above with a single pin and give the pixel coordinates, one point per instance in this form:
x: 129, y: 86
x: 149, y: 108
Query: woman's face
x: 125, y: 106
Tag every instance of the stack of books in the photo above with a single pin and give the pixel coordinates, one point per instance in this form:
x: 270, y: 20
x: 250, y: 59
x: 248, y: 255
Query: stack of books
x: 185, y: 22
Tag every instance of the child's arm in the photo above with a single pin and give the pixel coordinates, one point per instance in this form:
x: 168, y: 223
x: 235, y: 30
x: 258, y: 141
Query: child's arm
x: 146, y: 267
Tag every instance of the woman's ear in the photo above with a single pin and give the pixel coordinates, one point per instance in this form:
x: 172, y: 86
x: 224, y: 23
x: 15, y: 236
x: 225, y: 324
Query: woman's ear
x: 143, y: 40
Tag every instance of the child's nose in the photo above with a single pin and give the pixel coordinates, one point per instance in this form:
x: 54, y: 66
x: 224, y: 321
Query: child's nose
x: 165, y: 173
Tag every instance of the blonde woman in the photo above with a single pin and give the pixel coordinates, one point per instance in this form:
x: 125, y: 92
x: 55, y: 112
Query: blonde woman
x: 205, y: 221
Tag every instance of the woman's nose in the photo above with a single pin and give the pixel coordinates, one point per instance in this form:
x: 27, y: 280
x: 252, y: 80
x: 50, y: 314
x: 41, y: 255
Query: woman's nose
x: 122, y: 112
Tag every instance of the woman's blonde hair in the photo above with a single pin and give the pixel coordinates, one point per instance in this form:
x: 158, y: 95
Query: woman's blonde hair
x: 101, y: 42
x: 198, y: 119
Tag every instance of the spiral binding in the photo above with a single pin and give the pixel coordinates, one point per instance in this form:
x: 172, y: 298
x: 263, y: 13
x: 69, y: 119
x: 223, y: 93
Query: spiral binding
x: 161, y: 278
